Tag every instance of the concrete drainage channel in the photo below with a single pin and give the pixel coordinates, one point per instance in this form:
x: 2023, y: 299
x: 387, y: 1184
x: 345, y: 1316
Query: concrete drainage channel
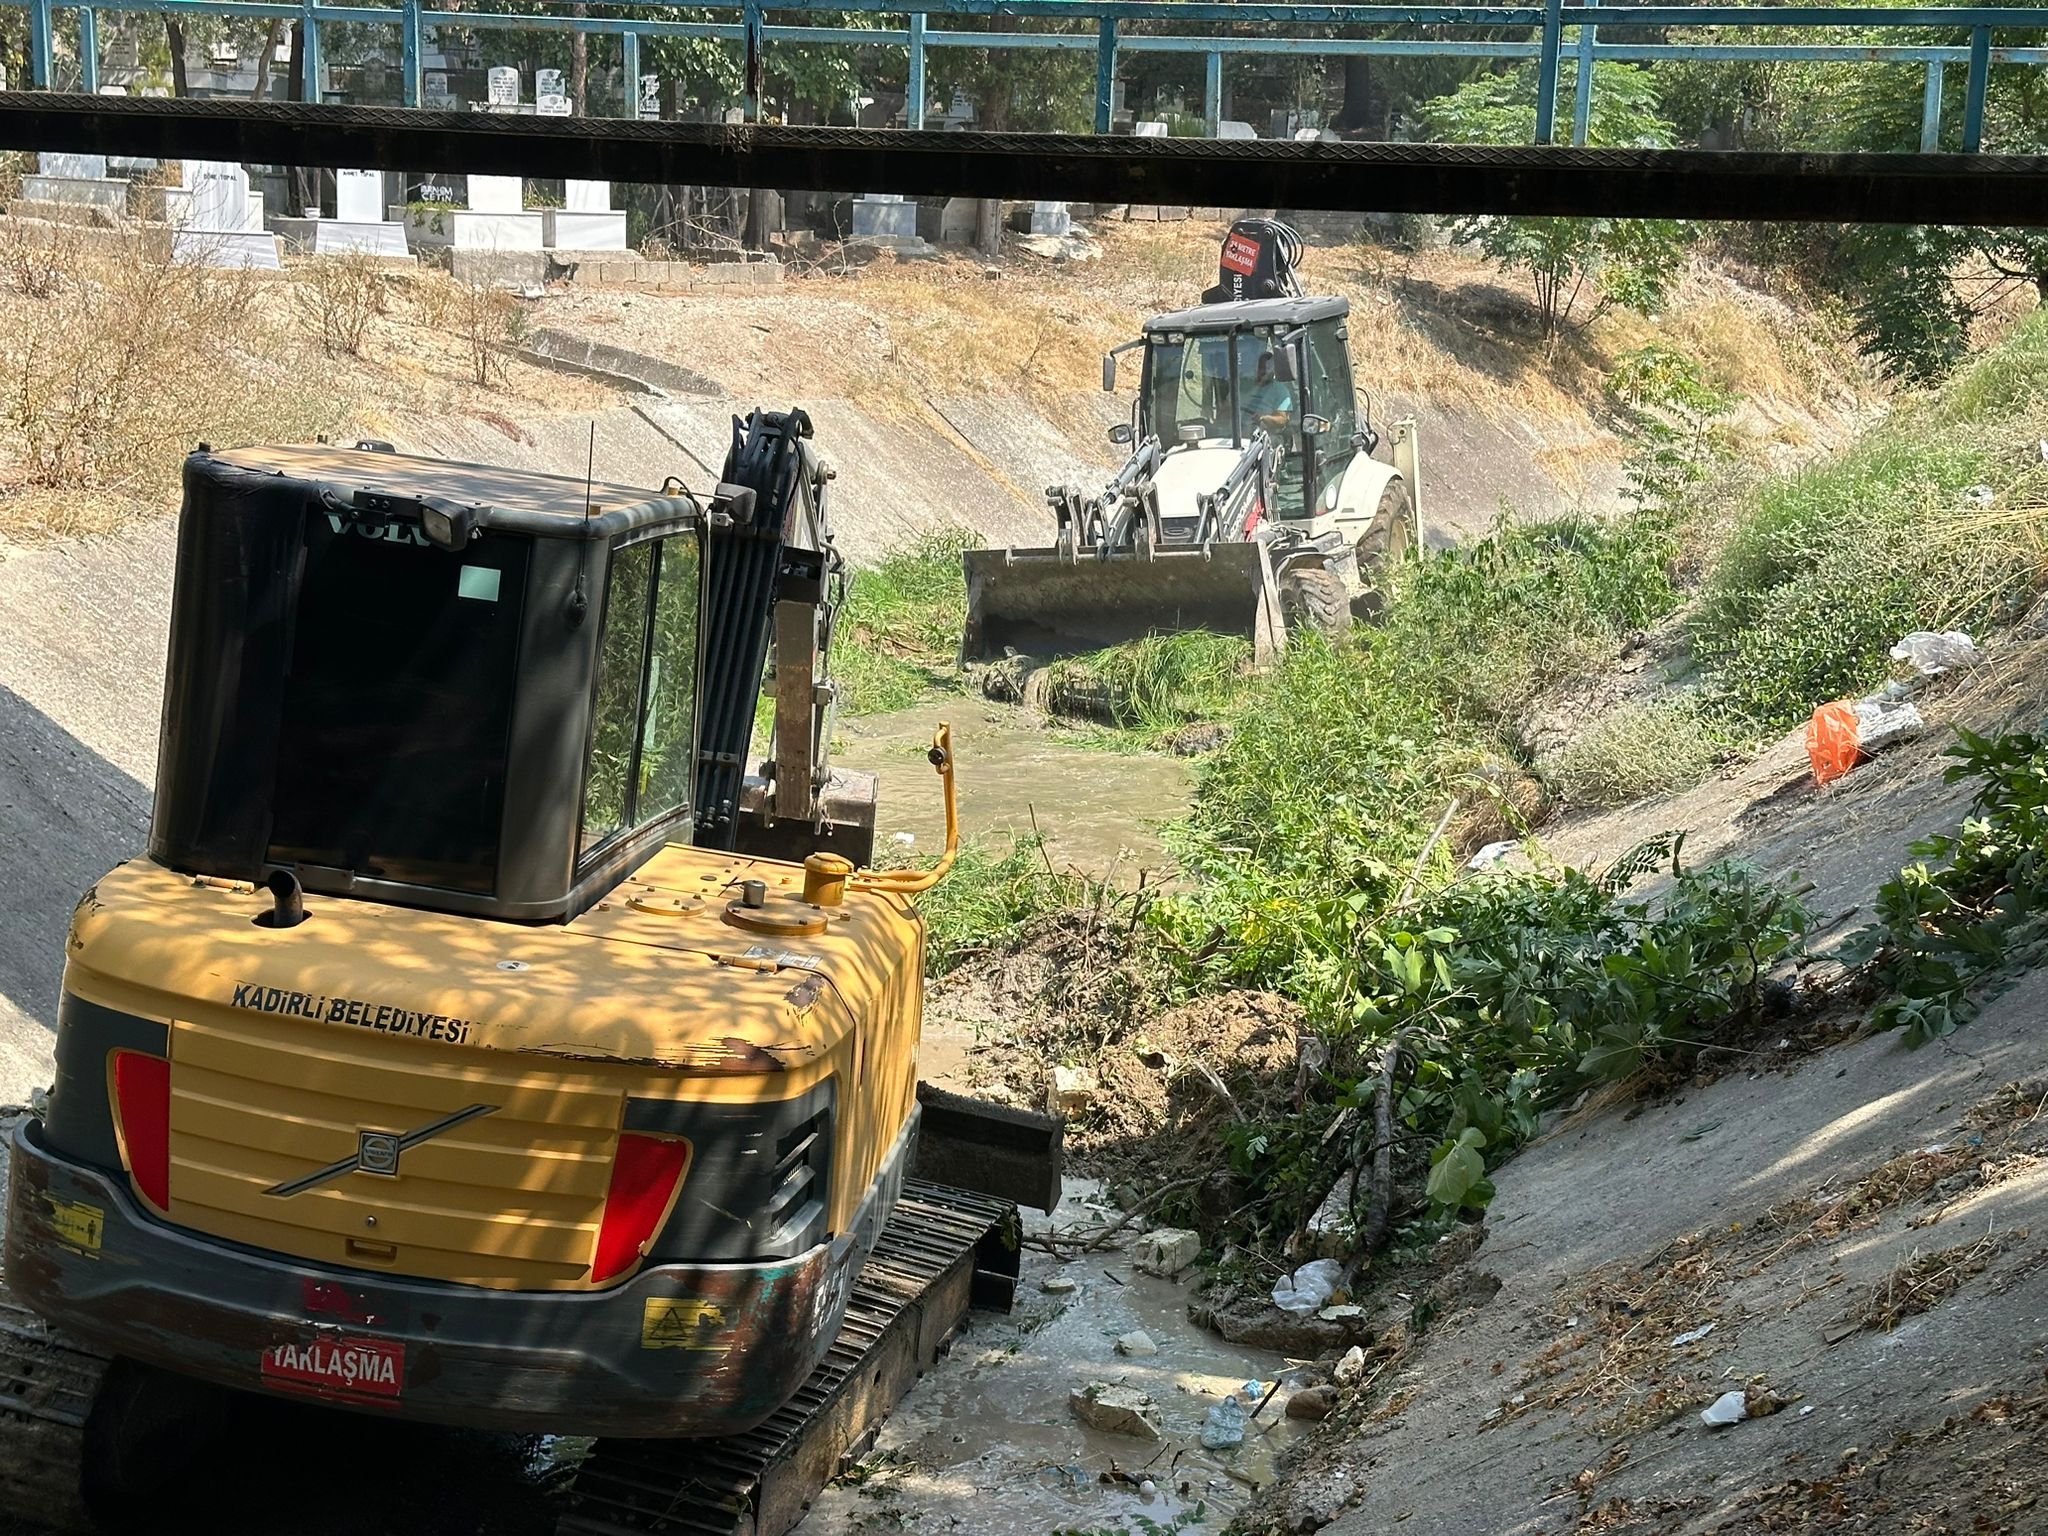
x: 1082, y: 1409
x: 634, y: 373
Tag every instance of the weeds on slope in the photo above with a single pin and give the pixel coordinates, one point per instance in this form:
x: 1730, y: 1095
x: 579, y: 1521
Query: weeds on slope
x: 900, y: 628
x: 1932, y: 521
x: 1972, y: 908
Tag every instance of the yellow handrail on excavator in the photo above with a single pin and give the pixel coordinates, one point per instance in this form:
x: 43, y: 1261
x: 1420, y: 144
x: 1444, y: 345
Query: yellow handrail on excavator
x: 912, y: 882
x: 827, y: 875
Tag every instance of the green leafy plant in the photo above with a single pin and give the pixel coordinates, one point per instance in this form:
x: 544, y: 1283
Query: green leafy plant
x: 1576, y: 267
x: 988, y: 898
x: 1971, y: 908
x: 900, y: 628
x: 1672, y: 411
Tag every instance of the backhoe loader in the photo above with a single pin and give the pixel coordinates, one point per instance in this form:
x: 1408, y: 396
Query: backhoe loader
x: 484, y: 1038
x: 1251, y: 503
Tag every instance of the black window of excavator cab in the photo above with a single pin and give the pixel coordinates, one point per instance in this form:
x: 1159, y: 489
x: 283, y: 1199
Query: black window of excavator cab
x: 1330, y: 397
x: 643, y: 726
x: 395, y: 731
x: 614, y: 724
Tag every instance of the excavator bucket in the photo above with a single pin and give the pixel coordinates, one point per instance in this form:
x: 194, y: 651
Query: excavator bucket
x: 1046, y: 603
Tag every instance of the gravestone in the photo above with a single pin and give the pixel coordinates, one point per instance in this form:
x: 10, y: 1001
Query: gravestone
x: 358, y: 227
x: 884, y: 215
x: 496, y: 194
x: 1148, y: 130
x: 1228, y: 128
x: 359, y: 197
x: 585, y: 221
x: 502, y: 85
x: 650, y: 96
x: 1049, y: 219
x: 957, y: 223
x: 223, y: 224
x: 547, y: 82
x: 496, y: 220
x: 551, y: 106
x: 72, y: 167
x: 74, y: 188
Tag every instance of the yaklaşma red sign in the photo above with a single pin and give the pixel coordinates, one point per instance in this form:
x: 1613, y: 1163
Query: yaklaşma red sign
x: 338, y: 1367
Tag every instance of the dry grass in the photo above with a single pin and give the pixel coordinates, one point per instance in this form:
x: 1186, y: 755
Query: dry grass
x: 344, y: 293
x: 1429, y: 328
x: 115, y: 362
x: 1923, y: 1281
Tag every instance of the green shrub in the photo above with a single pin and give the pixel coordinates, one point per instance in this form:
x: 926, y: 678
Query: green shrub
x: 1835, y: 562
x: 988, y: 897
x: 899, y: 632
x: 1154, y: 685
x: 1636, y: 751
x: 1487, y: 627
x: 1972, y: 908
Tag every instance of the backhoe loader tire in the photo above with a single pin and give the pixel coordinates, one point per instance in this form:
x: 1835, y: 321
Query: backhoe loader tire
x: 1387, y: 540
x: 1312, y: 597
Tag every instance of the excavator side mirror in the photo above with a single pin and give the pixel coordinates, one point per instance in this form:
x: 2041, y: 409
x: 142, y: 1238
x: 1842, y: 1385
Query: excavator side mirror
x: 1121, y: 434
x: 1109, y: 373
x: 1283, y: 363
x: 1313, y: 425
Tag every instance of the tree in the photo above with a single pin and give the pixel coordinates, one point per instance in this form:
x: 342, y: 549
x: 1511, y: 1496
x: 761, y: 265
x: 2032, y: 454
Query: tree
x: 1600, y: 262
x: 174, y: 39
x: 1915, y: 291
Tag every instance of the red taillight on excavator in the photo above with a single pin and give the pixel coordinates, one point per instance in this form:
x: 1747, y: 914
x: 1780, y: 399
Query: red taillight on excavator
x: 645, y: 1175
x: 142, y: 1094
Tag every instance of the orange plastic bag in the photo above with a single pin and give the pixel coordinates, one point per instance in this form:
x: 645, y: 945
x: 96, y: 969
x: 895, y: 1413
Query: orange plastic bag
x: 1833, y: 741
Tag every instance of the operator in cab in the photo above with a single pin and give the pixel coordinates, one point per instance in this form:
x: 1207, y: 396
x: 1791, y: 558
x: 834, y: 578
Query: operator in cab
x: 1270, y: 401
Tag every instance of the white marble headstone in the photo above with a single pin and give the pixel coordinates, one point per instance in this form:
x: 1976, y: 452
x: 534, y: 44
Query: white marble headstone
x: 547, y: 82
x: 503, y: 85
x: 551, y: 106
x: 1149, y: 130
x: 1231, y: 129
x: 220, y: 197
x: 496, y: 194
x: 73, y: 167
x: 359, y: 197
x: 587, y: 196
x: 650, y: 95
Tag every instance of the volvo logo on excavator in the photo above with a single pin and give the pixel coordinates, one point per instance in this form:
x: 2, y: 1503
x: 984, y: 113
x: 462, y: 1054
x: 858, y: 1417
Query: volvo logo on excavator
x: 377, y: 1152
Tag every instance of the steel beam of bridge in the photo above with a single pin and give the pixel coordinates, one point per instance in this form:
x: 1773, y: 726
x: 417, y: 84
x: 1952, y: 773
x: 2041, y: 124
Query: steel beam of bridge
x: 1230, y: 173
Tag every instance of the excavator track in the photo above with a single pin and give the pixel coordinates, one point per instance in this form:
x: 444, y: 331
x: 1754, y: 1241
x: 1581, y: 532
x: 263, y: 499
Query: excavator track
x: 47, y: 1386
x: 943, y: 1251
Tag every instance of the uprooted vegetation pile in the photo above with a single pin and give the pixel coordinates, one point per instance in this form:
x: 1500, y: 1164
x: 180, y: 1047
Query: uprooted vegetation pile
x: 1438, y: 1015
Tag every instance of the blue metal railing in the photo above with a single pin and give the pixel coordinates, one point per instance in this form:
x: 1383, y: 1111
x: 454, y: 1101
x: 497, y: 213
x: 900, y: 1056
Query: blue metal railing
x: 1102, y: 26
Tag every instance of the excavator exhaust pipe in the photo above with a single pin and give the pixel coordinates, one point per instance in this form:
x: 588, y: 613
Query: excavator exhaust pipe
x: 1045, y: 603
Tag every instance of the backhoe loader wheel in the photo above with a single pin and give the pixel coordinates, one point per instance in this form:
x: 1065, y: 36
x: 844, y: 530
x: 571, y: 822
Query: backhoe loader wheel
x: 1387, y: 541
x: 1312, y: 597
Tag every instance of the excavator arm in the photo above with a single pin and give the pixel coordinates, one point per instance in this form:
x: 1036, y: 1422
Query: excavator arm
x: 774, y: 581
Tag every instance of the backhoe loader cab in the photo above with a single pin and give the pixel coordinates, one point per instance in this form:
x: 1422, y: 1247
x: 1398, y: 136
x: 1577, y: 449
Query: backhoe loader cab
x: 448, y: 1056
x: 1253, y: 501
x: 1214, y: 375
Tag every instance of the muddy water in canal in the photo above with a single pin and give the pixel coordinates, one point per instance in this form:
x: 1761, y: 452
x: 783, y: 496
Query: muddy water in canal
x: 1099, y: 811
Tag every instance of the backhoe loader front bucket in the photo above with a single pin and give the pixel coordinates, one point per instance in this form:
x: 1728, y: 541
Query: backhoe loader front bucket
x: 1044, y: 603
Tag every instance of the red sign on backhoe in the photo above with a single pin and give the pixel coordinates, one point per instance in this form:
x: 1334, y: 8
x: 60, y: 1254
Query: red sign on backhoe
x: 1241, y: 255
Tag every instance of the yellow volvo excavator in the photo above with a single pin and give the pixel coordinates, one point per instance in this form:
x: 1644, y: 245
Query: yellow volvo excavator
x: 485, y: 1039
